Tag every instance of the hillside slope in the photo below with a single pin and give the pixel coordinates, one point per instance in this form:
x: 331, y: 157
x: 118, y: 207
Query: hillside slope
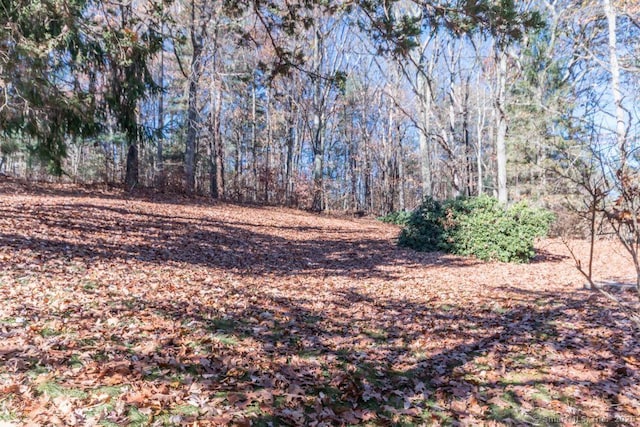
x: 124, y: 311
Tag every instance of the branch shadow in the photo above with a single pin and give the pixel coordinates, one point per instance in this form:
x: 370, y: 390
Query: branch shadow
x: 339, y: 358
x: 367, y: 360
x: 88, y: 232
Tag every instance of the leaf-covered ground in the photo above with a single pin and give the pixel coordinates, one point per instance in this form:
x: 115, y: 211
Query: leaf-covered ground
x: 135, y: 311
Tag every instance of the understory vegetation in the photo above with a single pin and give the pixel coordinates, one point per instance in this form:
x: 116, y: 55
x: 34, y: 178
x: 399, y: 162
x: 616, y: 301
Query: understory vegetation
x: 477, y: 226
x: 396, y: 217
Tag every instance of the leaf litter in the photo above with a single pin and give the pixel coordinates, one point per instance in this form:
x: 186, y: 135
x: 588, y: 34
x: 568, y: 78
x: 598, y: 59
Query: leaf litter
x: 167, y: 311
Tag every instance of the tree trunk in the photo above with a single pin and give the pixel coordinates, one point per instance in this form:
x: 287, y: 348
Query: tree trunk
x: 131, y: 176
x: 425, y: 121
x: 238, y: 167
x: 160, y: 180
x: 318, y: 130
x: 318, y: 165
x: 192, y: 133
x: 501, y: 125
x: 353, y: 168
x: 614, y: 69
x: 467, y: 142
x: 192, y: 108
x: 267, y: 160
x: 220, y: 184
x: 391, y: 171
x: 449, y: 142
x: 254, y: 145
x: 291, y: 142
x: 368, y: 196
x: 215, y: 151
x: 479, y: 138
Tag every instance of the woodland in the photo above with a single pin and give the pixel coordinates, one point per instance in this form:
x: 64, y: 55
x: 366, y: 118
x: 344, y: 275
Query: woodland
x: 361, y: 106
x: 319, y: 212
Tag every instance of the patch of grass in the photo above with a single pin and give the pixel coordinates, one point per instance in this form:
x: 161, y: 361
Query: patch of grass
x: 221, y: 395
x: 53, y: 390
x: 86, y: 342
x: 501, y: 413
x: 515, y: 378
x: 482, y: 366
x: 8, y: 321
x: 519, y: 359
x: 37, y: 370
x: 188, y: 410
x: 6, y: 414
x: 137, y: 418
x: 90, y: 285
x: 397, y: 217
x: 569, y: 400
x: 542, y: 393
x: 498, y: 309
x: 100, y: 356
x: 99, y: 410
x: 331, y: 393
x: 154, y: 374
x: 198, y: 347
x: 420, y: 355
x: 267, y: 421
x: 547, y: 417
x: 75, y: 362
x: 130, y: 303
x: 279, y: 401
x: 24, y: 280
x: 511, y: 412
x: 376, y: 334
x: 311, y: 319
x: 49, y: 332
x: 309, y: 354
x: 342, y: 353
x: 226, y: 339
x: 434, y: 412
x: 222, y: 324
x: 174, y: 416
x: 111, y: 390
x: 254, y: 409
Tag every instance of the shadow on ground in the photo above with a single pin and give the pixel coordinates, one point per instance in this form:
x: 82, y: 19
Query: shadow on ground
x: 224, y: 353
x: 279, y: 360
x: 90, y: 231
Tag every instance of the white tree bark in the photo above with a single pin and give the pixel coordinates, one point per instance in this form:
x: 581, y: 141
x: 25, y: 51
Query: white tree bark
x: 614, y: 69
x: 425, y: 119
x: 501, y: 125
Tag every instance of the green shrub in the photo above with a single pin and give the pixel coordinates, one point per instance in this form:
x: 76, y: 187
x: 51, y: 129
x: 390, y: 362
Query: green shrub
x: 424, y: 229
x: 478, y: 227
x: 397, y: 217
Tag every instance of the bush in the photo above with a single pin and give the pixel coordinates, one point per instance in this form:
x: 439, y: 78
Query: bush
x: 424, y: 229
x: 478, y: 227
x: 397, y: 218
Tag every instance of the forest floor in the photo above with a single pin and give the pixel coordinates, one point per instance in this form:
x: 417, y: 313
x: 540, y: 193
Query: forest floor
x: 117, y: 310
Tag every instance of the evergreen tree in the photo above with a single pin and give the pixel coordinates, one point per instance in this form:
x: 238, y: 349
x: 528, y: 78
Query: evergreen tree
x: 65, y: 66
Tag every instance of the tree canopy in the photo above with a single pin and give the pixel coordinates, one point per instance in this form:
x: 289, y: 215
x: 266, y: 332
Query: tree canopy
x: 67, y: 66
